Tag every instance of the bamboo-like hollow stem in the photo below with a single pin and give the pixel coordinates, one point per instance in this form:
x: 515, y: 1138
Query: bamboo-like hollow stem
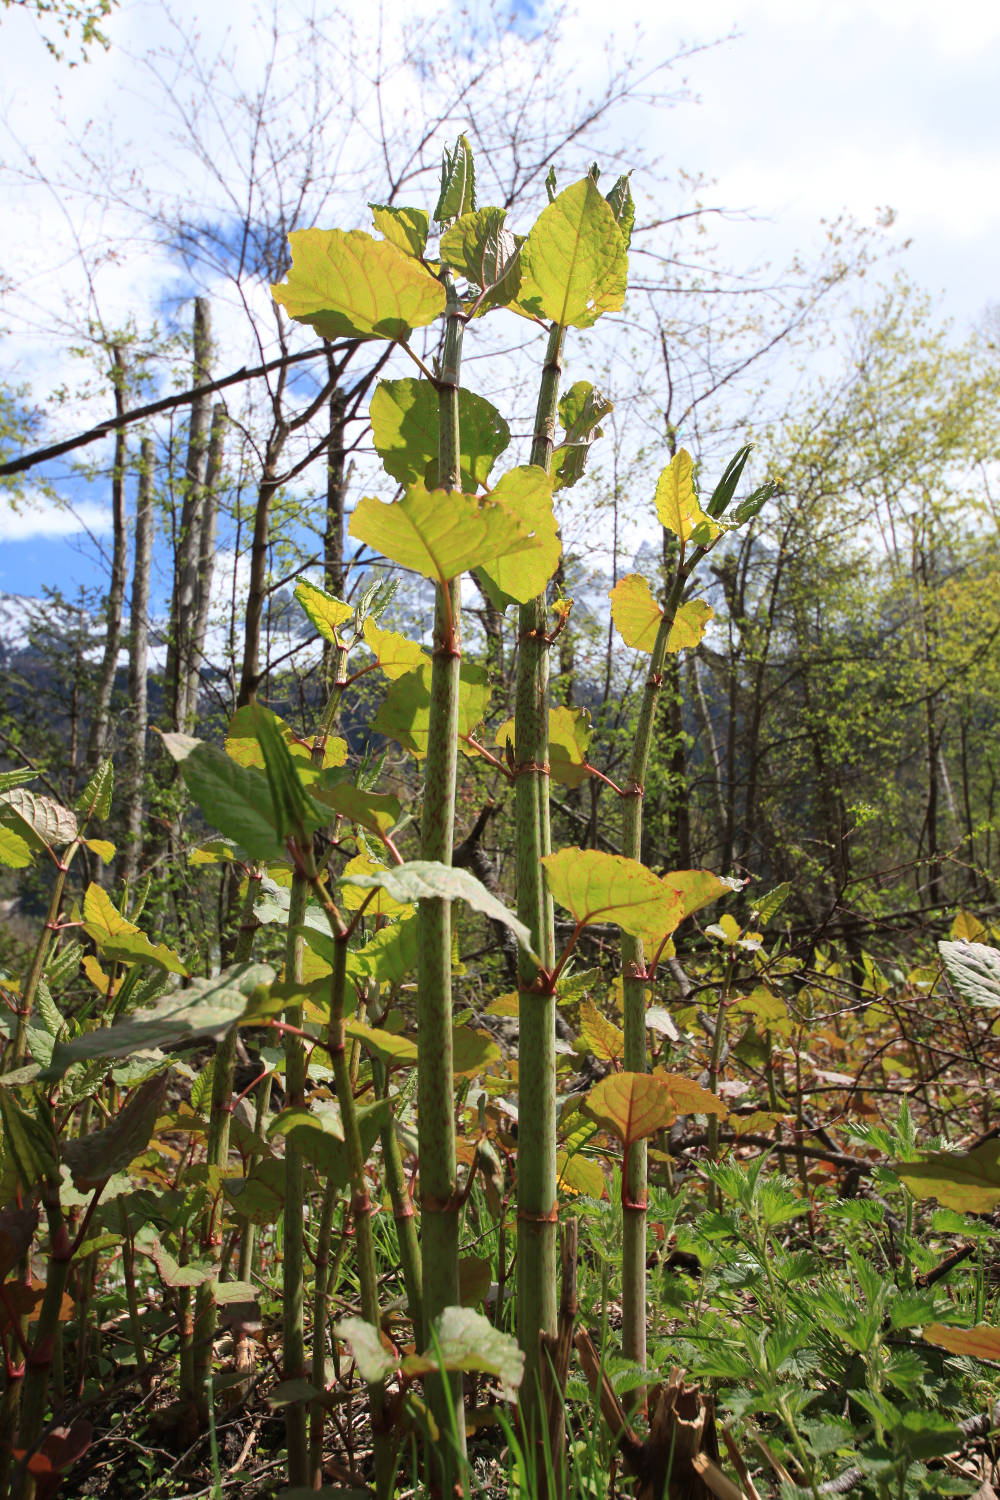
x: 435, y: 1077
x: 402, y: 1204
x: 536, y: 1182
x: 293, y: 1278
x: 39, y: 958
x: 635, y: 1167
x: 35, y: 1395
x: 361, y: 1205
x: 321, y: 1286
x: 217, y: 1155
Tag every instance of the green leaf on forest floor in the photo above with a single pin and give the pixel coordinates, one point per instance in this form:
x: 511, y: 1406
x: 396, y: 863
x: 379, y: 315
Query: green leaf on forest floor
x: 206, y: 1008
x: 574, y: 264
x: 405, y: 712
x: 40, y: 821
x: 967, y: 1181
x: 405, y: 425
x: 260, y: 1195
x: 95, y: 1157
x: 349, y: 285
x: 406, y: 228
x: 438, y: 533
x: 120, y: 940
x: 526, y: 493
x: 424, y: 879
x: 677, y: 504
x: 394, y: 653
x: 599, y: 887
x: 634, y: 1105
x: 326, y: 612
x: 974, y: 970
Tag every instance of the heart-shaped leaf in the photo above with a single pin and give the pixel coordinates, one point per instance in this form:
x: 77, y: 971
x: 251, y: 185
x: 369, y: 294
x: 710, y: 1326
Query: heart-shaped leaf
x: 349, y: 285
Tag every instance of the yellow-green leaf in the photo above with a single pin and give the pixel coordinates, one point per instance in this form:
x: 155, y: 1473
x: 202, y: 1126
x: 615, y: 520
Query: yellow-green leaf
x: 635, y: 612
x: 119, y: 939
x: 599, y: 887
x: 631, y: 1106
x: 574, y: 265
x: 676, y: 501
x: 437, y: 533
x: 406, y: 228
x: 380, y: 904
x: 690, y: 623
x: 601, y: 1037
x: 393, y: 652
x: 349, y: 285
x: 325, y: 612
x: 103, y: 848
x: 580, y: 1174
x: 569, y: 739
x: 243, y: 746
x: 405, y: 424
x: 526, y: 493
x: 405, y: 714
x: 14, y: 851
x: 700, y: 887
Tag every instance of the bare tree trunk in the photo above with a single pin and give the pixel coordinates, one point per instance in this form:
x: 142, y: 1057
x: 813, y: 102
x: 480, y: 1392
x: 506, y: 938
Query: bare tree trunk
x: 206, y: 567
x: 135, y: 746
x: 100, y: 722
x: 257, y: 593
x: 181, y: 663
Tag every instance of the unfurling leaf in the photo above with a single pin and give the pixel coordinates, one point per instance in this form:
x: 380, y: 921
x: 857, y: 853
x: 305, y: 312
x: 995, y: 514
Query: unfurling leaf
x: 677, y: 502
x: 458, y: 183
x: 405, y: 423
x: 574, y: 264
x: 599, y: 887
x: 39, y: 821
x: 481, y: 248
x: 95, y: 799
x: 580, y: 411
x: 349, y: 285
x: 438, y: 533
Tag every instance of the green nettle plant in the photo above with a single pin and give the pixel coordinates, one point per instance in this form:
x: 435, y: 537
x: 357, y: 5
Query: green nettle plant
x: 350, y: 923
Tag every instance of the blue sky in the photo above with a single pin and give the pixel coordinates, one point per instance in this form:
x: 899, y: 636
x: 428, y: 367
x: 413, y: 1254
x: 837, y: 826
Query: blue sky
x: 810, y: 108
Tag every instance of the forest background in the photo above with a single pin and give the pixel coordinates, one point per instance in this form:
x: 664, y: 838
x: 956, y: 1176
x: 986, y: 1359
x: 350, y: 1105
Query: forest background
x: 829, y: 738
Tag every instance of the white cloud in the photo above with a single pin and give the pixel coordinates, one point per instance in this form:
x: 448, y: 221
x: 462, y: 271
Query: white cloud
x: 43, y: 520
